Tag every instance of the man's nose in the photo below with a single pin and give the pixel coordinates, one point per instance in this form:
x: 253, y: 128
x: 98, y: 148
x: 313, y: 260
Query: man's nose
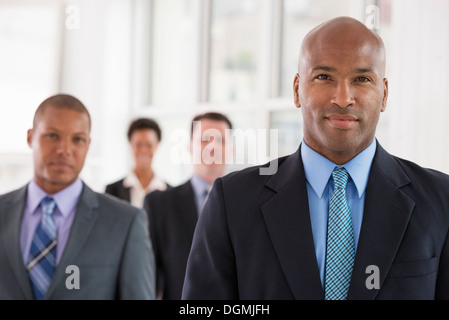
x: 343, y: 96
x: 65, y: 146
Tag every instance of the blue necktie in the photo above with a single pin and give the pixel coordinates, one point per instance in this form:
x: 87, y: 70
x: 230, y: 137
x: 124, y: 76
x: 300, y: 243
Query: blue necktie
x: 204, y: 196
x: 340, y: 250
x: 42, y: 259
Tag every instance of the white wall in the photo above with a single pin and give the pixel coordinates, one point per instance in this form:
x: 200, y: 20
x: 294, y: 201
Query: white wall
x: 418, y: 107
x: 97, y: 69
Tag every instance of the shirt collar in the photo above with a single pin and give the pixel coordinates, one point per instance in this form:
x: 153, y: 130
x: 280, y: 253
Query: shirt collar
x: 318, y: 169
x: 66, y: 199
x: 131, y: 181
x: 199, y: 185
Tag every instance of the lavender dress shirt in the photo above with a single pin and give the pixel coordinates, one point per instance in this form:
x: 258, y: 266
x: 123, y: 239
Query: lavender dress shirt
x: 66, y: 203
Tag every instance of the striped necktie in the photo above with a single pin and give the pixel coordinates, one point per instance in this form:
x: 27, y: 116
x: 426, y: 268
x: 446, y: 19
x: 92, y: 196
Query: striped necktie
x: 340, y: 250
x: 42, y: 259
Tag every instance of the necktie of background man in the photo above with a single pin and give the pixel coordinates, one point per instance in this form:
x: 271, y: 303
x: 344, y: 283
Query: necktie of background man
x: 205, y: 195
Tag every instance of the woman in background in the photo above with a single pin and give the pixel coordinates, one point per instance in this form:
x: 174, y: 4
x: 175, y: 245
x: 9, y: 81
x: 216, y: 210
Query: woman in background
x: 144, y: 135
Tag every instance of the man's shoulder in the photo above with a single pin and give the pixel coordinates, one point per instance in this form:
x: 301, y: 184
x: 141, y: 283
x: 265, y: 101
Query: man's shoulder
x: 14, y: 194
x: 257, y: 174
x: 110, y: 199
x: 401, y: 171
x: 109, y: 203
x: 418, y: 172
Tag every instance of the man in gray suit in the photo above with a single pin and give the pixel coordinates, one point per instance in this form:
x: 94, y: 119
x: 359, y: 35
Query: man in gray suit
x: 58, y: 238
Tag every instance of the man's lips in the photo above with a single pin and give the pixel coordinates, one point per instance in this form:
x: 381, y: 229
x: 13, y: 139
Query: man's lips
x: 342, y: 121
x: 61, y: 165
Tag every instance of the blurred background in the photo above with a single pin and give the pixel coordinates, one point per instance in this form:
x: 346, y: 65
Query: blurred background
x: 172, y: 59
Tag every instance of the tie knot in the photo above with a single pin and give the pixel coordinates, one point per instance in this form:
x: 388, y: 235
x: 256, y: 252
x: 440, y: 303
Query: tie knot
x: 207, y: 191
x: 341, y: 177
x: 48, y: 205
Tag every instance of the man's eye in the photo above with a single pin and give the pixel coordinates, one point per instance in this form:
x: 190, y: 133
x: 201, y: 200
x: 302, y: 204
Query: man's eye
x: 363, y: 79
x: 79, y: 139
x: 52, y: 135
x: 323, y: 77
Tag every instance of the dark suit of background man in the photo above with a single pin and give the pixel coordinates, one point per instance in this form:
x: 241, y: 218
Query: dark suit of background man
x: 266, y: 236
x: 102, y: 247
x: 173, y: 213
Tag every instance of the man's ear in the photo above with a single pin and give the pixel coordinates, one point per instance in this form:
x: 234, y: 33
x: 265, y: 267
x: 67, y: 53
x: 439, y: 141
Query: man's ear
x: 295, y: 90
x: 384, y: 100
x: 29, y: 137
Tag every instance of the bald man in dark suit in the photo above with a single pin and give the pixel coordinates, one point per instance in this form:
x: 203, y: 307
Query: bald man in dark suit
x: 302, y: 233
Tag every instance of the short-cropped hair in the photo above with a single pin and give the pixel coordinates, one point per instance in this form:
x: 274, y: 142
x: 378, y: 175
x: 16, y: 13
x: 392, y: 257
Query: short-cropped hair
x: 214, y: 116
x: 61, y: 101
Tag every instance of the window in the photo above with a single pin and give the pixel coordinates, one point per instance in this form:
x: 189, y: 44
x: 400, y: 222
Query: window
x: 170, y: 60
x: 235, y: 50
x: 30, y: 42
x: 298, y: 18
x: 174, y: 68
x: 239, y: 58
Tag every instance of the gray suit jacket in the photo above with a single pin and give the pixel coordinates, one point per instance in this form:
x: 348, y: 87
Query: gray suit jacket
x: 108, y: 242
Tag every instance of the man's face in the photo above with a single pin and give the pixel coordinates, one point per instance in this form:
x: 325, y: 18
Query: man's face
x: 60, y: 141
x: 144, y: 143
x: 341, y: 90
x: 209, y: 145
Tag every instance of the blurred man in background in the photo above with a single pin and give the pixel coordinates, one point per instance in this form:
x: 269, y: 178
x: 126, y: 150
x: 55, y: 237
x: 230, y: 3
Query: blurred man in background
x: 173, y: 213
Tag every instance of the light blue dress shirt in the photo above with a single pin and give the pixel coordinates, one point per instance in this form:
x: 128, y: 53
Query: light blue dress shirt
x: 320, y: 186
x: 201, y: 190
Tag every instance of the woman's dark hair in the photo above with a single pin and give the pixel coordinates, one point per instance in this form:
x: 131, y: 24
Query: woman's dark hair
x: 144, y: 123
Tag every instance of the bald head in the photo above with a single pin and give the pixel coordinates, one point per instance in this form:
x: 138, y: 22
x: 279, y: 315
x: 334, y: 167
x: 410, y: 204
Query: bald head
x: 344, y: 35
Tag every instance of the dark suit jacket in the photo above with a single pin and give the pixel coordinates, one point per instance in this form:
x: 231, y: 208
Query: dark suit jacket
x: 172, y: 217
x: 108, y: 242
x: 118, y: 190
x: 254, y: 238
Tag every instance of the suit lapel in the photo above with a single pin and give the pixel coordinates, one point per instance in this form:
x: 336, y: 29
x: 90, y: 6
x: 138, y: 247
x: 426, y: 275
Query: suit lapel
x: 387, y: 211
x: 386, y: 214
x: 186, y: 205
x: 288, y: 221
x: 10, y: 229
x: 83, y: 222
